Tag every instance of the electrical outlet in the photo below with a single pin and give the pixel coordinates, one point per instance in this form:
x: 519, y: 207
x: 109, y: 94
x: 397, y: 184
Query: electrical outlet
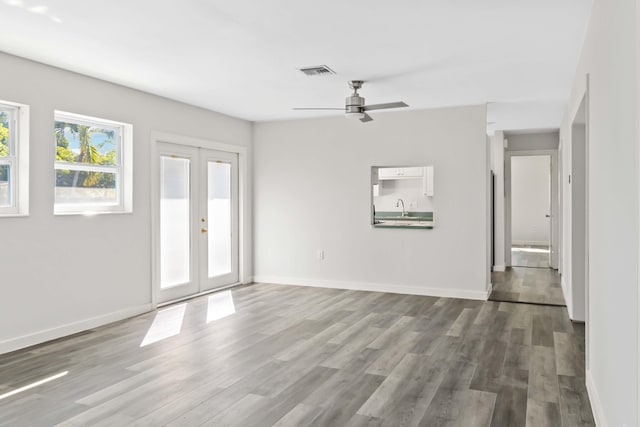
x: 320, y: 254
x: 413, y: 204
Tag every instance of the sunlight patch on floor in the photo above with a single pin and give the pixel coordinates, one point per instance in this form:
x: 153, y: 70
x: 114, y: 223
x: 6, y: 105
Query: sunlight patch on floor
x: 220, y: 305
x: 32, y: 385
x: 167, y: 323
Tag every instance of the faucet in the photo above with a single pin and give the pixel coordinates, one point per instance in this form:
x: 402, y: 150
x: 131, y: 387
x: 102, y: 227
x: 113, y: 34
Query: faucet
x: 400, y: 201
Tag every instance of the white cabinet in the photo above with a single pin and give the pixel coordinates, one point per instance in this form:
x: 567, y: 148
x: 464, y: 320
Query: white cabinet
x: 427, y: 181
x: 400, y: 173
x: 424, y: 173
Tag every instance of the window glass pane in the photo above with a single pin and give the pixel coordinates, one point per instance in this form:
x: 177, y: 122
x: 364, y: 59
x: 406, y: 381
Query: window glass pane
x: 219, y: 213
x: 97, y: 188
x: 5, y: 120
x: 5, y: 186
x: 86, y: 144
x: 174, y: 221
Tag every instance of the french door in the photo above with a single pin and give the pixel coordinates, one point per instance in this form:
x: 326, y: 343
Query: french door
x: 197, y: 244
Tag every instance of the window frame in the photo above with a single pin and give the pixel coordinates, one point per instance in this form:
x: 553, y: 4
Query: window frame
x: 18, y: 159
x: 122, y: 169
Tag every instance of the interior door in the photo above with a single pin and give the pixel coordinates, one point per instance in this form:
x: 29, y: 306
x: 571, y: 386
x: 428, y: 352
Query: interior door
x: 197, y: 245
x: 218, y: 219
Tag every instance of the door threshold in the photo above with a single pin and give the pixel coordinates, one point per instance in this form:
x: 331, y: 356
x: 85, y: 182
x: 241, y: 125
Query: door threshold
x: 199, y: 294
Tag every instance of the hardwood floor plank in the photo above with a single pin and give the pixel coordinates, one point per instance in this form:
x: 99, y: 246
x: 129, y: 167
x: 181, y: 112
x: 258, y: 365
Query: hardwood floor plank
x: 543, y: 377
x: 543, y: 414
x: 300, y: 416
x: 510, y: 408
x: 575, y: 407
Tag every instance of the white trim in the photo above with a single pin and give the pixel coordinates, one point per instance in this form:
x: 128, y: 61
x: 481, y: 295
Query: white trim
x: 594, y: 398
x: 244, y: 201
x: 199, y: 294
x: 638, y: 236
x: 123, y: 170
x: 377, y: 287
x: 556, y: 214
x: 19, y: 161
x: 499, y: 267
x: 45, y: 335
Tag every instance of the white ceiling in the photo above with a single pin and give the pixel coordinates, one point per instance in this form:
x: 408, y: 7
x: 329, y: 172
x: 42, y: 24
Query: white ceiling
x: 241, y: 57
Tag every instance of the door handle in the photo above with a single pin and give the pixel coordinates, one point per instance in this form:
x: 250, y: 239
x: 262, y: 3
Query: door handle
x: 203, y: 230
x: 548, y: 216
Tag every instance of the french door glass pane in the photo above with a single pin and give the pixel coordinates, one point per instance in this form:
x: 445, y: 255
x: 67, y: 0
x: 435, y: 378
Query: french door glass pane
x: 175, y: 207
x: 5, y: 185
x: 219, y: 220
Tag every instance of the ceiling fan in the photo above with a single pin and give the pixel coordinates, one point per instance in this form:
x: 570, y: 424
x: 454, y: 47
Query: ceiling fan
x: 355, y: 107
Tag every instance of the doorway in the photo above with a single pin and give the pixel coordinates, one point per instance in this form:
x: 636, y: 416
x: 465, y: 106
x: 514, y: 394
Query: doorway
x: 531, y: 229
x: 531, y: 211
x: 196, y: 203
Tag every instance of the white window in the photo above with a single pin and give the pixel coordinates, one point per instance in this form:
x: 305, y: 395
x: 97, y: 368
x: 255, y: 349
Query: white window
x: 14, y: 159
x: 93, y: 165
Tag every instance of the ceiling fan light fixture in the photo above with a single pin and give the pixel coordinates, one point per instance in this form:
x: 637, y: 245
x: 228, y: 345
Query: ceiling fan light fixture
x: 354, y: 115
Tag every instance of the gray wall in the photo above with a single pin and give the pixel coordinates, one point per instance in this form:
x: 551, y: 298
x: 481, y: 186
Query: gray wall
x: 61, y: 274
x: 532, y: 141
x: 312, y: 180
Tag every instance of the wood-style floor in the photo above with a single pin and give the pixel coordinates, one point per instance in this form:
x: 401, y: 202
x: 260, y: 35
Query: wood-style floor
x: 295, y: 356
x: 530, y: 285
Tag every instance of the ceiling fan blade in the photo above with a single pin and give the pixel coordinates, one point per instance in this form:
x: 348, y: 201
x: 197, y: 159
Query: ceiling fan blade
x: 366, y: 118
x: 384, y: 106
x: 304, y: 108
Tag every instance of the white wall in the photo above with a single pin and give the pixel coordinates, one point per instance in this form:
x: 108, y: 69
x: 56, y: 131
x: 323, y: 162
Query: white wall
x: 609, y: 56
x: 61, y: 274
x: 312, y: 192
x: 530, y: 200
x: 497, y: 165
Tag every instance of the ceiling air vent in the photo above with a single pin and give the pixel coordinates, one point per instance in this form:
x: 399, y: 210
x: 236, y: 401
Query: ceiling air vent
x: 319, y: 70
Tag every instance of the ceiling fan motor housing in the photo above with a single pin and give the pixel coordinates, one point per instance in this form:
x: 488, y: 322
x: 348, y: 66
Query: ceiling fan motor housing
x: 354, y: 104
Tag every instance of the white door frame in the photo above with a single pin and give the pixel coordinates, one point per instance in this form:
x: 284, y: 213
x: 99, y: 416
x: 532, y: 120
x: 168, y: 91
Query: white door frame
x: 567, y: 277
x: 555, y: 207
x: 244, y: 203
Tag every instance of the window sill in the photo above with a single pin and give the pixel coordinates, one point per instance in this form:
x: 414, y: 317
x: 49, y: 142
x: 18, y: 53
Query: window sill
x: 91, y: 213
x: 14, y: 215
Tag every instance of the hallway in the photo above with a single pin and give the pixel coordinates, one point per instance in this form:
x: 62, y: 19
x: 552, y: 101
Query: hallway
x: 528, y: 285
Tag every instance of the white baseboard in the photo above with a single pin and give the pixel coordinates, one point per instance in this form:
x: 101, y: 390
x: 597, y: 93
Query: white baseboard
x: 39, y: 337
x: 594, y: 398
x: 500, y: 267
x: 376, y: 287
